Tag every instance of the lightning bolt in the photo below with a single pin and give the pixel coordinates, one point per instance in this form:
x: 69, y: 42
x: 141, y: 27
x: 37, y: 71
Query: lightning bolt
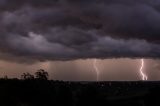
x: 96, y: 69
x: 143, y: 75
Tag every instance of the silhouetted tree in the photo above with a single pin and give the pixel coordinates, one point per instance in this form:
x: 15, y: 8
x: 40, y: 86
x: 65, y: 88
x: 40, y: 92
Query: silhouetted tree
x: 41, y: 74
x: 27, y: 76
x: 5, y: 77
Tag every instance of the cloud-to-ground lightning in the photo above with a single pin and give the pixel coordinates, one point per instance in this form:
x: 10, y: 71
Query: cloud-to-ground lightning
x: 96, y: 69
x: 143, y: 75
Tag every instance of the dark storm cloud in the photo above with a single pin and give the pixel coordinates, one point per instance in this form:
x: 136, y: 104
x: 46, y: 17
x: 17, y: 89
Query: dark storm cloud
x: 72, y: 29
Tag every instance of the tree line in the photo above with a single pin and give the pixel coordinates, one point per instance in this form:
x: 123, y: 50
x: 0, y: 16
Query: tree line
x: 40, y: 74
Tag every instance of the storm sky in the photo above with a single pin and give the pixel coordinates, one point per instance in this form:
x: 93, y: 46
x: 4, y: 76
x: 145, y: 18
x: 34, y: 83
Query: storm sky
x: 64, y: 36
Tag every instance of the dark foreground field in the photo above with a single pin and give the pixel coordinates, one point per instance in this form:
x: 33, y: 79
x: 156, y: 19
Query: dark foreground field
x: 55, y: 93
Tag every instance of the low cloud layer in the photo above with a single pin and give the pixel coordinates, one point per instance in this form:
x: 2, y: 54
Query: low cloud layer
x: 79, y: 29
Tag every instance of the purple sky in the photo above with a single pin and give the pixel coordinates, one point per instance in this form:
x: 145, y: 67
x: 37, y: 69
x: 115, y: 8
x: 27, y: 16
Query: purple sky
x: 64, y: 36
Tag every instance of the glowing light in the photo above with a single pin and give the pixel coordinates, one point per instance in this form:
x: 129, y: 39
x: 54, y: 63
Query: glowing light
x: 143, y: 75
x: 96, y: 69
